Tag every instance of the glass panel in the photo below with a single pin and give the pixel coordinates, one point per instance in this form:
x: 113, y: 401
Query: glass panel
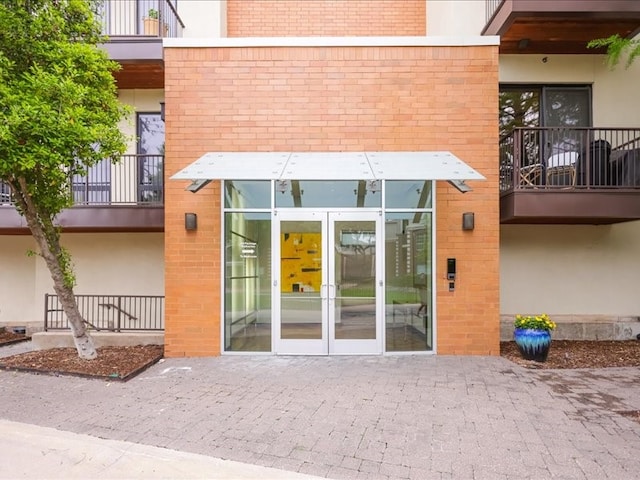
x: 247, y: 303
x: 151, y: 156
x: 567, y: 107
x: 343, y: 193
x: 247, y: 194
x: 519, y: 107
x: 408, y: 194
x: 300, y: 279
x: 355, y: 276
x: 408, y: 292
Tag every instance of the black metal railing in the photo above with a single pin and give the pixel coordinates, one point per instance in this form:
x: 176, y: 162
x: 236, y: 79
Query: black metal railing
x: 570, y: 158
x: 135, y: 180
x: 151, y: 18
x: 109, y: 313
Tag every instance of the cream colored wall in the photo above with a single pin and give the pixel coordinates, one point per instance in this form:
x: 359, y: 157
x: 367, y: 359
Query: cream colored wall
x: 570, y: 270
x: 203, y: 18
x: 17, y: 287
x: 458, y: 17
x: 615, y: 101
x: 141, y: 100
x: 105, y: 263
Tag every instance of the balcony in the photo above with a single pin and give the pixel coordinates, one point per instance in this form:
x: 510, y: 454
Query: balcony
x: 570, y: 176
x: 558, y: 26
x: 135, y: 29
x: 123, y: 197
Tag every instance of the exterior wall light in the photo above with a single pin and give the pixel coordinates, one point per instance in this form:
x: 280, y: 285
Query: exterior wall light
x: 468, y: 221
x: 190, y: 221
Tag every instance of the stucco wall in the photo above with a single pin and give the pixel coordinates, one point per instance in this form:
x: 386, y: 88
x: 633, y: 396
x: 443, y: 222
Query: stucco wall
x: 105, y: 263
x: 333, y: 99
x: 455, y: 17
x: 570, y: 270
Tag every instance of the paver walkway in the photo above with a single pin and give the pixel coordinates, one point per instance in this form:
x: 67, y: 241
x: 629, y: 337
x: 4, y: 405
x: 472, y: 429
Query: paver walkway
x: 386, y: 417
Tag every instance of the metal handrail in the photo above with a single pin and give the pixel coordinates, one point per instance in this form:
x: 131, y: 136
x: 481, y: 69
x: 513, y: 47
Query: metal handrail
x: 113, y: 313
x: 155, y: 18
x: 570, y: 158
x: 134, y: 180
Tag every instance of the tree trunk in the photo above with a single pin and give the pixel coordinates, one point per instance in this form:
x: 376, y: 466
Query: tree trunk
x: 47, y: 236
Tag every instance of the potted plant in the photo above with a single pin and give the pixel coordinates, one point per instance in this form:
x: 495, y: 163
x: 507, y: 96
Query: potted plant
x: 151, y: 23
x: 532, y: 335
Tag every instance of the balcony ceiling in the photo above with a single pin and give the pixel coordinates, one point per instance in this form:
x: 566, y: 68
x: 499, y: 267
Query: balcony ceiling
x: 141, y: 59
x: 140, y: 75
x: 561, y: 26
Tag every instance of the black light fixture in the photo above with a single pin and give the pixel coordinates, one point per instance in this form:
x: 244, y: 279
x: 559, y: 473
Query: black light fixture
x: 190, y: 221
x: 468, y: 221
x: 162, y: 111
x: 523, y: 43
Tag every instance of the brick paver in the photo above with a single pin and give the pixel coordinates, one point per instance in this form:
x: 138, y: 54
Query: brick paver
x: 387, y: 417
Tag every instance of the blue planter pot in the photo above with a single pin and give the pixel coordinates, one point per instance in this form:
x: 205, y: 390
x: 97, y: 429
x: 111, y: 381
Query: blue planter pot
x: 532, y: 344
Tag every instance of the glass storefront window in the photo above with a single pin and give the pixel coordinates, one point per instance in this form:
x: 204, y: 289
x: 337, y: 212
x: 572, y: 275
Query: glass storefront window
x: 408, y: 194
x: 247, y: 194
x: 328, y: 194
x: 409, y: 287
x: 247, y: 303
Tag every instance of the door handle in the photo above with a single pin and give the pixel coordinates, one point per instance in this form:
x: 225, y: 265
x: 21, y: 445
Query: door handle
x: 323, y: 291
x: 332, y: 288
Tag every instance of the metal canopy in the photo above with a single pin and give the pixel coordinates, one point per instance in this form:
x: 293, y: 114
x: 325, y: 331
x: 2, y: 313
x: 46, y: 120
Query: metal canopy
x: 328, y: 166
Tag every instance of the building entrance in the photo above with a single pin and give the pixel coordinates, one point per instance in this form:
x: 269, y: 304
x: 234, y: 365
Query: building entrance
x: 327, y: 282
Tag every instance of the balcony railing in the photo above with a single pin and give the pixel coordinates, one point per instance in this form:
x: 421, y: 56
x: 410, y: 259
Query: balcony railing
x: 570, y: 158
x: 152, y: 18
x: 135, y: 180
x: 111, y: 313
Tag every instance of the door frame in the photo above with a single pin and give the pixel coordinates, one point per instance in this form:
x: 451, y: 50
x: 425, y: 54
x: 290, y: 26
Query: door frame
x: 328, y: 344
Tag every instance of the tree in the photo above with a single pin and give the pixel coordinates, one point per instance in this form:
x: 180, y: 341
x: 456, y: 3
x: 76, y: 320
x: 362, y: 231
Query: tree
x: 617, y: 47
x: 60, y: 114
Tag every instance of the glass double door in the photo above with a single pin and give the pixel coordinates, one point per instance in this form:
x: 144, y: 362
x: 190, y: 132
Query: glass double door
x: 327, y: 294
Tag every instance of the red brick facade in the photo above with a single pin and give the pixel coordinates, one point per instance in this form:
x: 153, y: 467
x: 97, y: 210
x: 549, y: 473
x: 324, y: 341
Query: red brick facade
x: 333, y: 99
x: 278, y: 18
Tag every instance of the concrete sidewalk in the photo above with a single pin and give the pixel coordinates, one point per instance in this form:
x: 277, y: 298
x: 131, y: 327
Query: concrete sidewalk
x: 33, y: 452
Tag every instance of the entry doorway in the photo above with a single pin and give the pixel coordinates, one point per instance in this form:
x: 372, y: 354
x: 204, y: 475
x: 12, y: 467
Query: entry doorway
x: 327, y: 288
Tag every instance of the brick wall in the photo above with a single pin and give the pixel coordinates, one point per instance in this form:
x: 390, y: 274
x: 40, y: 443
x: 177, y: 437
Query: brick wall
x: 278, y: 18
x: 334, y: 99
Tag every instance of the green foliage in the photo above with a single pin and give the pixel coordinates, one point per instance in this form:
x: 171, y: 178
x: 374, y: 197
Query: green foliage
x: 153, y: 13
x: 617, y: 47
x: 58, y: 105
x: 534, y: 322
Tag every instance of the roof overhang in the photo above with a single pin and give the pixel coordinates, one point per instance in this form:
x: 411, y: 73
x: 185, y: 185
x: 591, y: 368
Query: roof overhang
x: 425, y: 165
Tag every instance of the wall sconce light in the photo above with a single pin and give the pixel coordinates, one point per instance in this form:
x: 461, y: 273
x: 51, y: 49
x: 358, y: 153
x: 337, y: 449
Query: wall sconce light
x: 190, y: 221
x: 162, y: 111
x: 468, y: 221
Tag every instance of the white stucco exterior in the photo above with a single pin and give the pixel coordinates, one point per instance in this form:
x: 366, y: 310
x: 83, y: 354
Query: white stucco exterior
x: 205, y: 19
x: 459, y: 17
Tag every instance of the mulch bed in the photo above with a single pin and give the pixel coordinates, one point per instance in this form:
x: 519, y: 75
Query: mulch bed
x: 9, y: 338
x: 112, y: 363
x: 580, y: 354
